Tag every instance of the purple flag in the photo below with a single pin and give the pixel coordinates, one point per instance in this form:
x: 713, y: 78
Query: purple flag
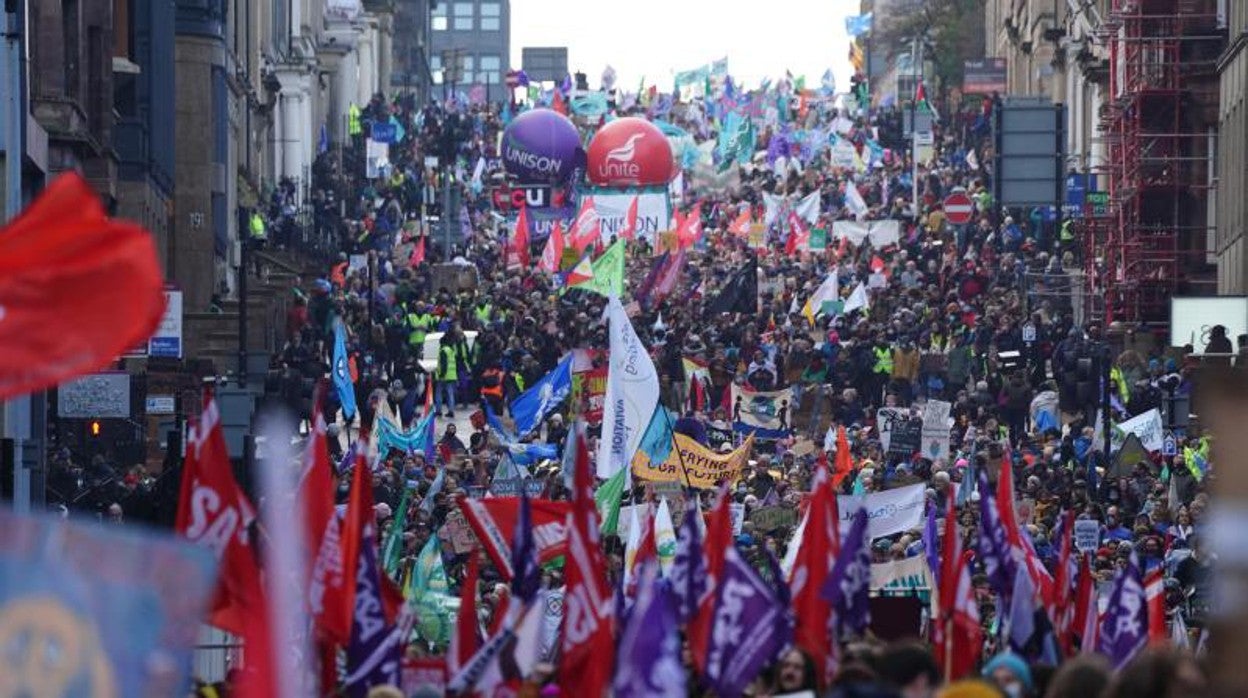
x: 930, y: 543
x: 1124, y: 629
x: 528, y: 577
x: 648, y: 656
x: 749, y: 629
x: 374, y: 652
x: 687, y: 576
x: 849, y: 583
x: 993, y: 548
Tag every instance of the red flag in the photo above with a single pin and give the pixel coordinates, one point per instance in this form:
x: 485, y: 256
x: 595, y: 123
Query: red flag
x: 558, y: 104
x: 213, y: 511
x: 316, y: 485
x: 877, y: 264
x: 667, y: 278
x: 467, y: 636
x: 553, y: 252
x: 799, y: 235
x: 843, y: 248
x: 1155, y: 594
x: 65, y: 271
x: 630, y: 221
x: 585, y: 666
x: 1086, y: 611
x: 819, y: 546
x: 418, y: 253
x: 338, y: 274
x: 518, y: 251
x: 1004, y: 501
x: 844, y: 459
x: 586, y: 230
x: 741, y: 226
x: 494, y: 521
x: 690, y: 229
x: 1063, y: 587
x: 718, y: 538
x: 359, y: 507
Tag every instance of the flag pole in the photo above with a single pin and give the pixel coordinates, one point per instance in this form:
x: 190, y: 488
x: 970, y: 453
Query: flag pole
x: 680, y: 457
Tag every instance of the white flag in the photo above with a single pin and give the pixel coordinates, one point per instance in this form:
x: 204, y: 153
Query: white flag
x: 829, y: 290
x: 665, y: 536
x: 632, y: 393
x: 808, y: 207
x: 857, y: 299
x: 854, y: 201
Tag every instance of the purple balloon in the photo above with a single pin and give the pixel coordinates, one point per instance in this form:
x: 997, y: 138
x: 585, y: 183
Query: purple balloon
x: 540, y: 146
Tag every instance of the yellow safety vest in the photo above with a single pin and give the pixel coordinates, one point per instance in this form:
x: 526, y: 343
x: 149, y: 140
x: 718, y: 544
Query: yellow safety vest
x: 883, y: 360
x: 353, y: 121
x: 257, y: 226
x: 448, y: 369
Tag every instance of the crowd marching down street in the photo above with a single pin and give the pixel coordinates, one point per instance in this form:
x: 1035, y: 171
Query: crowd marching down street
x: 693, y: 397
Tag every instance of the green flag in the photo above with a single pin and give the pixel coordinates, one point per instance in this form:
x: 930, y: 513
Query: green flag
x: 429, y: 594
x: 392, y: 547
x: 608, y: 278
x: 429, y: 576
x: 607, y: 499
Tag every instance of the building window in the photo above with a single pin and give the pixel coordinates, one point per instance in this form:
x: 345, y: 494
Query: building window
x: 463, y: 16
x: 489, y: 70
x: 435, y: 69
x: 439, y: 18
x: 467, y: 64
x: 491, y: 16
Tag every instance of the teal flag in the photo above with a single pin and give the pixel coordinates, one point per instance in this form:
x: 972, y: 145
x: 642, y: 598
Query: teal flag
x: 590, y: 104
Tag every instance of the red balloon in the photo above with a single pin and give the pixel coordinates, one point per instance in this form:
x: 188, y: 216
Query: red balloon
x: 630, y: 152
x: 76, y: 289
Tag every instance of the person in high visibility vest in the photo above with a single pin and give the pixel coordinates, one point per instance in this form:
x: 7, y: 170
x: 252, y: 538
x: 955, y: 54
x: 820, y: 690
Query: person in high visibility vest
x: 492, y: 388
x: 257, y: 228
x: 353, y: 121
x: 446, y: 375
x: 419, y: 323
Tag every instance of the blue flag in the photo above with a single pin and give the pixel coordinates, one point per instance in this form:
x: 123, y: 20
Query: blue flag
x: 656, y: 442
x: 848, y: 587
x: 688, y: 578
x: 532, y: 406
x: 1124, y: 628
x: 992, y: 546
x: 751, y: 626
x: 930, y: 541
x: 648, y: 653
x: 342, y: 372
x: 419, y: 439
x: 527, y: 574
x: 858, y: 25
x: 374, y: 652
x: 322, y: 141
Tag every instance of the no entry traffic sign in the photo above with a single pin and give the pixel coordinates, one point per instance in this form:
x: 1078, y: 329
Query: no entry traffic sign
x: 958, y: 208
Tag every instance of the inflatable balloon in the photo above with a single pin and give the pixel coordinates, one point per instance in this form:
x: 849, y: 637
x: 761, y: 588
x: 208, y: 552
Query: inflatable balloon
x: 630, y: 152
x: 540, y: 146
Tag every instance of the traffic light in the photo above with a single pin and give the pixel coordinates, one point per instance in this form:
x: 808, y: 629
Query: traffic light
x: 95, y: 427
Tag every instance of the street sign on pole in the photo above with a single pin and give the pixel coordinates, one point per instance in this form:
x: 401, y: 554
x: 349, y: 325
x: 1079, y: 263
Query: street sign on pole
x: 959, y: 208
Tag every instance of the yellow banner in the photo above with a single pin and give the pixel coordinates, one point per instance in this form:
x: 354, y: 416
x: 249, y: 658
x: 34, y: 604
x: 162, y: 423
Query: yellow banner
x: 705, y: 468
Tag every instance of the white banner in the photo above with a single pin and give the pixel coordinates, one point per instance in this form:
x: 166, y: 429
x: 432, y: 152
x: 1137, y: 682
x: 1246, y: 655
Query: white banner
x: 632, y: 393
x: 1146, y: 426
x: 889, y: 512
x: 767, y: 414
x: 910, y: 574
x: 881, y: 233
x: 653, y: 213
x: 936, y: 425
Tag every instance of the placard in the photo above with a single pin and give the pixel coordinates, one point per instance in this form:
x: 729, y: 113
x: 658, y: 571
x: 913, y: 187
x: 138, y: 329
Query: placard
x: 907, y: 438
x: 888, y: 512
x: 1087, y: 535
x: 936, y: 429
x: 458, y: 533
x: 737, y: 511
x: 768, y: 519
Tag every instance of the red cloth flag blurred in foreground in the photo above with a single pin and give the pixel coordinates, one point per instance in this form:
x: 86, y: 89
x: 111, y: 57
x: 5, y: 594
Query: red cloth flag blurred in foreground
x: 77, y: 289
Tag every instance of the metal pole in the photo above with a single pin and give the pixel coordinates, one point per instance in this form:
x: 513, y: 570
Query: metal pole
x: 447, y: 178
x: 244, y: 258
x: 916, y: 54
x: 1105, y: 388
x: 16, y: 411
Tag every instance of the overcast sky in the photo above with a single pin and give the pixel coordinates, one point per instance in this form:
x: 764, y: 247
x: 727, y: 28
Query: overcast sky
x: 655, y: 38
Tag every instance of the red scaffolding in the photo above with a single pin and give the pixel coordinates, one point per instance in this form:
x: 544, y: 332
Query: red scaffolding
x: 1157, y: 122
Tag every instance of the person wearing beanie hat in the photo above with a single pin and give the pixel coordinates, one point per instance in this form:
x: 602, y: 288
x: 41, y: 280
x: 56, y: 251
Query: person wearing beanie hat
x: 1011, y: 673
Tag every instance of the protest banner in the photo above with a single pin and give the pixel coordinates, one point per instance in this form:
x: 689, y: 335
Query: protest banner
x: 907, y: 575
x: 768, y: 519
x: 589, y: 390
x: 118, y: 608
x: 906, y: 438
x: 886, y: 419
x: 888, y: 512
x: 704, y: 468
x: 653, y: 212
x: 493, y: 520
x: 1087, y: 535
x: 936, y: 429
x: 458, y: 533
x: 1146, y: 426
x: 766, y: 415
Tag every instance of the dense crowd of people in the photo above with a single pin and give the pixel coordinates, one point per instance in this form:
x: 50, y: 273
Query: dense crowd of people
x: 982, y: 316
